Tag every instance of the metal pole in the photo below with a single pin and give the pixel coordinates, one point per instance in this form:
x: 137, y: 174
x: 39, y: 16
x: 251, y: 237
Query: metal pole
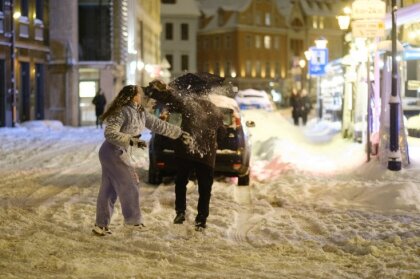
x: 369, y: 113
x: 394, y: 158
x: 12, y: 88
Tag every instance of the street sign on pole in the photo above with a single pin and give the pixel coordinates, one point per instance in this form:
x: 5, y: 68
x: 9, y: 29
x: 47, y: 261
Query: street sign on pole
x: 318, y: 61
x: 368, y: 28
x: 368, y: 9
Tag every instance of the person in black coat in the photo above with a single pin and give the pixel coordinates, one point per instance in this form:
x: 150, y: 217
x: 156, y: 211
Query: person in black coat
x: 204, y: 121
x: 295, y: 104
x: 99, y: 101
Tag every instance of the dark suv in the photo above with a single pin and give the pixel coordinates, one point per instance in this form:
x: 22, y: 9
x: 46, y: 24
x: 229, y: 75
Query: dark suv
x: 233, y: 154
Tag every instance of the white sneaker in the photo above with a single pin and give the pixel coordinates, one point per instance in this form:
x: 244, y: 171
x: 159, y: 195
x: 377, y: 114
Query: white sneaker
x: 101, y: 231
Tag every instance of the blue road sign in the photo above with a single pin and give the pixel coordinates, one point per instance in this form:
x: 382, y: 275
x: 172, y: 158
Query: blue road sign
x: 319, y: 59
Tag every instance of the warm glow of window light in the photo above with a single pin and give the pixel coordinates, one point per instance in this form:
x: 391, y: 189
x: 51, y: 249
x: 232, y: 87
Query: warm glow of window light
x: 233, y: 74
x: 302, y: 63
x: 17, y: 15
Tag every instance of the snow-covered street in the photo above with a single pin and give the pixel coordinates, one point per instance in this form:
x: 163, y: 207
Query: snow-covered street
x: 314, y: 209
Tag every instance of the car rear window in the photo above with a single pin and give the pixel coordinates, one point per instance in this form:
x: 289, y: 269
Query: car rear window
x: 227, y: 116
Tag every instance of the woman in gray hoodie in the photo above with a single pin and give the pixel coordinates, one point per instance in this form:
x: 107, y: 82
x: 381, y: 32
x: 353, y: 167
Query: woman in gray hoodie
x: 125, y: 119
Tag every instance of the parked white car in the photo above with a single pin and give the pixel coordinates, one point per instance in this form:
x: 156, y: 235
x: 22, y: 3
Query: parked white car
x: 254, y: 99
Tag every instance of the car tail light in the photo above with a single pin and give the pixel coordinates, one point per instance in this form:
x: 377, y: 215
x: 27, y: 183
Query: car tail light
x: 160, y: 165
x: 236, y: 166
x: 237, y: 121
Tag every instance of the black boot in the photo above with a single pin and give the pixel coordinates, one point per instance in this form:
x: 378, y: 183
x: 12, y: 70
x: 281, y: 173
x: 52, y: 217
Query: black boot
x: 200, y: 222
x: 179, y: 218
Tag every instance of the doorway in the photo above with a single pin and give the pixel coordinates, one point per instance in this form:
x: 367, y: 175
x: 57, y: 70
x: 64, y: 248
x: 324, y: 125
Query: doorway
x: 25, y: 102
x: 39, y: 91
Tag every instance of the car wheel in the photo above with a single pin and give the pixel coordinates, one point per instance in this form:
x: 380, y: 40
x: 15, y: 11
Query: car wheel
x: 243, y: 180
x: 155, y: 177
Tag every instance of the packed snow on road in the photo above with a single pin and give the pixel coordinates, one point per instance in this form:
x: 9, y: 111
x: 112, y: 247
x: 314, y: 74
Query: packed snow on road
x: 314, y: 209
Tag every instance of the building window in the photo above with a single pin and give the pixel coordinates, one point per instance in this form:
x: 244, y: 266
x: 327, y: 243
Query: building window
x: 184, y: 31
x: 216, y: 42
x: 169, y: 31
x: 1, y: 16
x: 228, y: 41
x: 257, y: 41
x: 276, y: 42
x: 168, y: 1
x: 321, y: 22
x: 248, y: 66
x: 315, y: 22
x: 257, y: 19
x: 267, y: 42
x: 217, y: 68
x: 24, y: 8
x: 248, y: 41
x: 228, y: 69
x: 267, y: 69
x: 170, y: 59
x: 184, y: 62
x: 95, y: 39
x: 267, y: 19
x: 296, y: 47
x: 39, y: 9
x: 258, y: 67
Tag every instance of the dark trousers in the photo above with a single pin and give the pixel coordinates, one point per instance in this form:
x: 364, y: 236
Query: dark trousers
x: 204, y: 174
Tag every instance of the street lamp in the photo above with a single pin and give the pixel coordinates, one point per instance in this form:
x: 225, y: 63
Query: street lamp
x: 394, y: 160
x: 321, y: 43
x: 344, y: 19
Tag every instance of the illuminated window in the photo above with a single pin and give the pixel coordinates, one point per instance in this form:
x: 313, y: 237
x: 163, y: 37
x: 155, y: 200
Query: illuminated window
x: 267, y: 42
x: 87, y: 89
x: 321, y: 22
x: 267, y: 19
x: 315, y: 22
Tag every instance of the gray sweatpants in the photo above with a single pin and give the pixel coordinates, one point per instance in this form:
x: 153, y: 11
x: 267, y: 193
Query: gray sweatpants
x: 118, y: 180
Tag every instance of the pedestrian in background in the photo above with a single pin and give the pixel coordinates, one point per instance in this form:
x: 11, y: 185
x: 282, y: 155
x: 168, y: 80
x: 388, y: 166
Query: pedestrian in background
x: 99, y: 101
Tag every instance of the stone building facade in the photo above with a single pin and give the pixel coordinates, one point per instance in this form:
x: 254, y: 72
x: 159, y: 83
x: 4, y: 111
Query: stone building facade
x: 24, y: 55
x: 258, y: 43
